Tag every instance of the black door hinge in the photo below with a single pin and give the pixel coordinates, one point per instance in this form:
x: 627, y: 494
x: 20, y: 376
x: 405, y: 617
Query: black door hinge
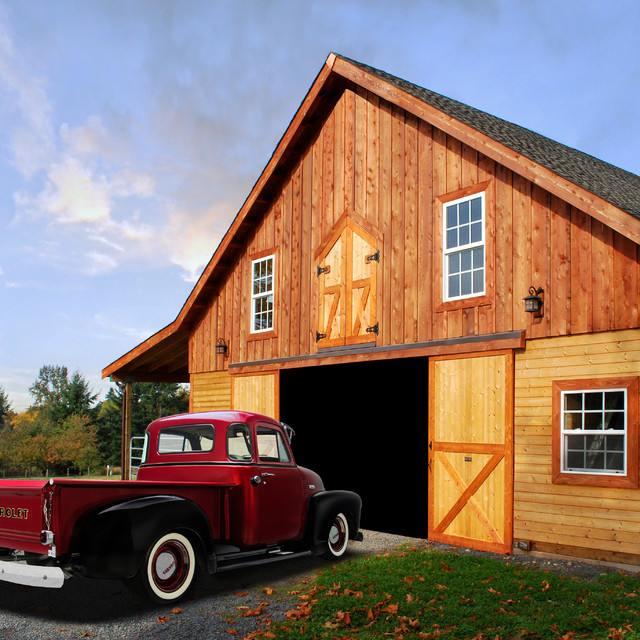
x: 374, y: 257
x: 320, y: 336
x: 322, y: 270
x: 374, y: 329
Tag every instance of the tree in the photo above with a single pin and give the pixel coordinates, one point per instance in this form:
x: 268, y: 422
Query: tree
x: 149, y: 401
x: 58, y: 397
x: 5, y: 409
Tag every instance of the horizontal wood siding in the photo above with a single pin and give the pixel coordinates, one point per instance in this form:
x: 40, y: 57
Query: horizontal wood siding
x: 210, y: 391
x: 390, y: 169
x: 553, y: 515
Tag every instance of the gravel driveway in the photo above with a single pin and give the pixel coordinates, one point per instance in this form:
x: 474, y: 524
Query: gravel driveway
x: 227, y: 606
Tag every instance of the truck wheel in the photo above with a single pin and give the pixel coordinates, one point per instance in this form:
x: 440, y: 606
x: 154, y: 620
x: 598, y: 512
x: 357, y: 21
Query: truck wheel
x: 168, y: 569
x: 338, y: 538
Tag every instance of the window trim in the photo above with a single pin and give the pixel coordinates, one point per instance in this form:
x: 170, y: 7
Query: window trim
x: 261, y: 258
x: 441, y: 303
x: 599, y: 478
x: 470, y: 246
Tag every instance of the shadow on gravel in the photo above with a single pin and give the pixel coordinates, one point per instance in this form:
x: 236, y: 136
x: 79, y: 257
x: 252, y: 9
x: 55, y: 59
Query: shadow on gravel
x: 82, y: 600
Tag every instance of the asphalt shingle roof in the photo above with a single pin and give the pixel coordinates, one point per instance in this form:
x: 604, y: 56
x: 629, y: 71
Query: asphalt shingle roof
x: 618, y: 187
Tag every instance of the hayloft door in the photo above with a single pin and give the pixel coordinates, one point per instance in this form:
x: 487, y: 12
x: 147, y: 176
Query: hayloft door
x: 471, y: 451
x: 346, y: 274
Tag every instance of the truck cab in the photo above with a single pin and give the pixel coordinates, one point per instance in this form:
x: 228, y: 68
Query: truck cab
x: 268, y: 491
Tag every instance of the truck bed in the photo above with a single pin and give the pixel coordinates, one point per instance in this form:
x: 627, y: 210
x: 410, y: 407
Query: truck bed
x: 28, y: 508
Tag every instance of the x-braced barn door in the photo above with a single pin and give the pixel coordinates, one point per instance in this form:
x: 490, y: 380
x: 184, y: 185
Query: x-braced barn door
x: 471, y: 451
x: 346, y: 272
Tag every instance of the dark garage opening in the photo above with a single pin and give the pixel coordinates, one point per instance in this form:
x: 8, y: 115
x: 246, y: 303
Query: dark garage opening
x: 363, y: 427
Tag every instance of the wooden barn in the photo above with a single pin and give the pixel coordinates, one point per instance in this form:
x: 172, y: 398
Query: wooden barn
x: 444, y: 306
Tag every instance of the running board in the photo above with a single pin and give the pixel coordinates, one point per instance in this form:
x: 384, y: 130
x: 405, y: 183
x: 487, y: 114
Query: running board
x: 251, y: 559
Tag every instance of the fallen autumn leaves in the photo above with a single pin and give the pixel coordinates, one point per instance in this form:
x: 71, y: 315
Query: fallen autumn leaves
x: 427, y: 595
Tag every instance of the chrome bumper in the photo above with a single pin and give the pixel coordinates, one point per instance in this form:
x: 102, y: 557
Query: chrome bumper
x: 31, y: 575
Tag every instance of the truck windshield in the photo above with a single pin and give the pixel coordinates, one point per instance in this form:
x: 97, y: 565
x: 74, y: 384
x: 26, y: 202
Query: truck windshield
x: 186, y: 439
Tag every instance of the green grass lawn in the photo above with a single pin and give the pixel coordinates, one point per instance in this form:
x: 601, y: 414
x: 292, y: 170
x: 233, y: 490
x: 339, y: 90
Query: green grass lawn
x: 429, y: 594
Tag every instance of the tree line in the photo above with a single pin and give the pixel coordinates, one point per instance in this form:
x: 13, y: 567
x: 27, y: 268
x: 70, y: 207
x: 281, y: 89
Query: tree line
x: 67, y: 430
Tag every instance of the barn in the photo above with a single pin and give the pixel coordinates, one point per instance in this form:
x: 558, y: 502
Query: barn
x: 444, y: 305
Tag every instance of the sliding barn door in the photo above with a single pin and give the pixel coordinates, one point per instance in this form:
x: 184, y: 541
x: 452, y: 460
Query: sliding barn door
x: 346, y: 274
x: 471, y: 451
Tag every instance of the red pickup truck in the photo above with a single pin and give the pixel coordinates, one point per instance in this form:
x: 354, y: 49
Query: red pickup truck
x: 215, y: 490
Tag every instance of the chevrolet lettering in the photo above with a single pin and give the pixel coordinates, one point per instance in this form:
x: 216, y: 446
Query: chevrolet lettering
x: 14, y: 512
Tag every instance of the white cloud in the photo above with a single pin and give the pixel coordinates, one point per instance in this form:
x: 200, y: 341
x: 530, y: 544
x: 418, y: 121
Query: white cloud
x: 191, y: 238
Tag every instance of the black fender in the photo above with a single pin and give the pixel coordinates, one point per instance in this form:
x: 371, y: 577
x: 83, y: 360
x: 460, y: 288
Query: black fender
x: 322, y: 509
x: 112, y: 542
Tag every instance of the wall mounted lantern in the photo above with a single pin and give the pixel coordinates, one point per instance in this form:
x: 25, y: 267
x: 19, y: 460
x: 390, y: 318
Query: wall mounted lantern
x: 533, y: 302
x: 221, y: 347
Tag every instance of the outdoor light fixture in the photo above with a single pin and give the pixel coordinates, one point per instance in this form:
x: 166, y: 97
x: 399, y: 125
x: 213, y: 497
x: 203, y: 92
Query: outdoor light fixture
x: 221, y: 347
x: 533, y: 302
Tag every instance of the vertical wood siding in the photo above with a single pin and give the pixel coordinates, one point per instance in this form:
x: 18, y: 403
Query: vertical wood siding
x: 595, y: 518
x: 389, y: 168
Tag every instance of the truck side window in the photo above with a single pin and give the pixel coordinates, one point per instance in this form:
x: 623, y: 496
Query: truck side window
x: 239, y: 443
x: 271, y: 446
x: 188, y: 438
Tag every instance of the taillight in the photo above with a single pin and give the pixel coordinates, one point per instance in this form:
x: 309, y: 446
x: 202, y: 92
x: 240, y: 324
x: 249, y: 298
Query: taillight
x: 47, y: 537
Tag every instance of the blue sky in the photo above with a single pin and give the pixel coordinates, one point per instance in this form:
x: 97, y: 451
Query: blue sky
x: 131, y: 131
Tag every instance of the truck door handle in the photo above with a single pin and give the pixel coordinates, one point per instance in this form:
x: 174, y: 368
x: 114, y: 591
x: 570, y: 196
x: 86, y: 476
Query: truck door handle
x: 265, y: 475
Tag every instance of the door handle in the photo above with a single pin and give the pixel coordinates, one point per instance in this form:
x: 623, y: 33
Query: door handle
x: 266, y: 475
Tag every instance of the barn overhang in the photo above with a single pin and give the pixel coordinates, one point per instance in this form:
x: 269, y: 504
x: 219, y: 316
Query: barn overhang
x: 164, y: 357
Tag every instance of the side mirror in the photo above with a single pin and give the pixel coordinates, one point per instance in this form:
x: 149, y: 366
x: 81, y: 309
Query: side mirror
x: 289, y: 432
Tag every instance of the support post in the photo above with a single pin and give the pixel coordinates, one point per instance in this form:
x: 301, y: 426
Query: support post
x: 126, y: 429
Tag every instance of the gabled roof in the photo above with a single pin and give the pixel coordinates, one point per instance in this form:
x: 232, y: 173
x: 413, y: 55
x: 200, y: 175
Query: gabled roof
x: 600, y: 189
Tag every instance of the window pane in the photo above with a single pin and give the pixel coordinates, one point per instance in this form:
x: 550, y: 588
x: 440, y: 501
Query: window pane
x: 465, y: 285
x: 465, y: 260
x: 593, y: 401
x: 452, y: 238
x: 476, y: 232
x: 614, y: 420
x: 614, y: 462
x: 454, y: 286
x: 454, y: 263
x: 452, y: 216
x: 573, y: 401
x: 476, y: 209
x: 575, y: 460
x: 463, y: 212
x: 614, y: 400
x: 573, y: 421
x: 478, y: 258
x: 615, y: 443
x: 594, y: 460
x: 463, y: 235
x: 478, y: 281
x: 593, y: 420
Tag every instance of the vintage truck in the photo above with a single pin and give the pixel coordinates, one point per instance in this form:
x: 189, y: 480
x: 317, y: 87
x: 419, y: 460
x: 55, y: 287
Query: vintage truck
x: 215, y: 490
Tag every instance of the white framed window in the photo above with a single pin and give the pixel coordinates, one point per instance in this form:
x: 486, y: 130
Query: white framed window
x: 262, y: 271
x: 594, y: 431
x: 464, y: 255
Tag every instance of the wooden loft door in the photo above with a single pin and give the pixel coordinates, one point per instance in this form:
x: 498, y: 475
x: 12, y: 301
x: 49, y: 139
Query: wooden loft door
x: 471, y: 451
x: 346, y: 272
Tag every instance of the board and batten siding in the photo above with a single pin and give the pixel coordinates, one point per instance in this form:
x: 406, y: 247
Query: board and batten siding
x: 602, y: 522
x: 390, y: 170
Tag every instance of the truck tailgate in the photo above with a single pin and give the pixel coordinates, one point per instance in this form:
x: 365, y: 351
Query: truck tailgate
x: 21, y: 515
